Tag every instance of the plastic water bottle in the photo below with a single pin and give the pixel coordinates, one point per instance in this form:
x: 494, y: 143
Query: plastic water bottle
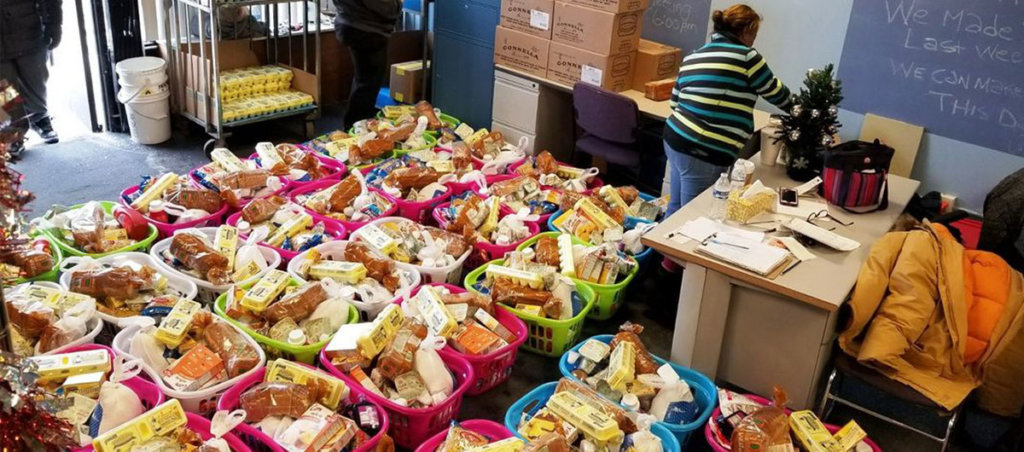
x: 738, y: 177
x: 720, y: 192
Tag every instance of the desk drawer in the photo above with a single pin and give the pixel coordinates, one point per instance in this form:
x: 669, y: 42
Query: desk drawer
x: 515, y: 102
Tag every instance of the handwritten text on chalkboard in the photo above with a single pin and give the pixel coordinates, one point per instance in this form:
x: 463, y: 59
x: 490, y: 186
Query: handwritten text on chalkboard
x: 680, y: 23
x: 954, y: 66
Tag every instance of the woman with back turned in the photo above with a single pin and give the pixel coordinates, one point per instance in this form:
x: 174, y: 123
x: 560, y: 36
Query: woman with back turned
x: 713, y: 105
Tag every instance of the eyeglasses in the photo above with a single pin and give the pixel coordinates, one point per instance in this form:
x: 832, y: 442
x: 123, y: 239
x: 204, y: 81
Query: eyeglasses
x: 824, y: 215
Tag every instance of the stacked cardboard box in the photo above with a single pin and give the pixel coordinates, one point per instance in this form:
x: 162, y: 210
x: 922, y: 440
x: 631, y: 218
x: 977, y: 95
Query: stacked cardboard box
x: 595, y: 41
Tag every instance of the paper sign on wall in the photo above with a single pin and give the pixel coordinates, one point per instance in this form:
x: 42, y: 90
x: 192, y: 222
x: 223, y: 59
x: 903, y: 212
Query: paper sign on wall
x: 592, y: 75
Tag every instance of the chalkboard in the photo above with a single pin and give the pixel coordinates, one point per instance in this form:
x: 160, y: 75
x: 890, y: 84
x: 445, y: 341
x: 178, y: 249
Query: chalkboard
x: 679, y: 23
x: 955, y: 67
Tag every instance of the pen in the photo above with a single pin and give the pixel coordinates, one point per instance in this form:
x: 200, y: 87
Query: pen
x: 730, y: 244
x: 790, y: 268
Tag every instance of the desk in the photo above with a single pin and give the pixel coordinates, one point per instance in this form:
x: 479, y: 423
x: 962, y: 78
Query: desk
x: 738, y: 327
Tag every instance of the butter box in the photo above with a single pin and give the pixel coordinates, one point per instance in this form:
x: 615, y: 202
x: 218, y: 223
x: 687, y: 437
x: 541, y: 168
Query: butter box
x: 291, y: 372
x: 64, y: 365
x: 438, y: 318
x: 344, y: 272
x: 261, y: 294
x: 176, y: 324
x: 162, y: 420
x: 591, y: 421
x: 810, y: 432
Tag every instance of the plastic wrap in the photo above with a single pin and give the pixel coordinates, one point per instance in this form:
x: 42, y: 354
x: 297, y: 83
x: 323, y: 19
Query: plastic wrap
x: 344, y: 192
x: 62, y: 332
x: 400, y: 132
x: 382, y: 270
x: 250, y: 178
x: 263, y: 209
x: 238, y: 354
x: 32, y: 262
x: 546, y: 163
x: 460, y: 439
x: 628, y: 193
x: 629, y: 332
x: 119, y: 283
x: 197, y: 198
x: 29, y: 317
x: 297, y: 305
x: 194, y: 251
x: 423, y: 108
x: 456, y: 244
x: 507, y: 187
x: 414, y: 178
x: 118, y: 405
x: 547, y: 251
x: 278, y: 398
x: 302, y: 160
x: 87, y: 227
x: 764, y: 429
x: 462, y: 158
x: 596, y: 400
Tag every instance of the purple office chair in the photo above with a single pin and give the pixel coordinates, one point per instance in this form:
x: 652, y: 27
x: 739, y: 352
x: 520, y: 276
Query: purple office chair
x: 610, y: 124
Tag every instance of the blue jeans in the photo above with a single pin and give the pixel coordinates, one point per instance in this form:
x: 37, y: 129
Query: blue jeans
x: 688, y: 177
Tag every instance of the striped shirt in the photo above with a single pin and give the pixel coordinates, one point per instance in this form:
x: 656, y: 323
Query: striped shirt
x: 713, y: 100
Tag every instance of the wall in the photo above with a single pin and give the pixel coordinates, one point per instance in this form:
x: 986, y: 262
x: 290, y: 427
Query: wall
x: 801, y: 34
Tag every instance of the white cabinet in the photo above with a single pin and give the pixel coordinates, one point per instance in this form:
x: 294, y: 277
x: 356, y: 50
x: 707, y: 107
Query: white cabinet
x: 526, y: 108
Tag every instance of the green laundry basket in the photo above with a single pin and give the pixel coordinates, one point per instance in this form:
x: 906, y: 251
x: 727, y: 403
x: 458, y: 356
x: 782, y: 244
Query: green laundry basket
x: 548, y: 337
x: 277, y: 349
x: 69, y: 249
x: 609, y: 296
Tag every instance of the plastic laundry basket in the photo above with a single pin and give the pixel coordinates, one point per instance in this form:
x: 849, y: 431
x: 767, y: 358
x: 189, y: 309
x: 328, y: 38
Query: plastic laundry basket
x: 208, y: 292
x: 350, y: 226
x: 709, y: 436
x: 334, y: 169
x: 257, y: 440
x: 332, y: 228
x: 493, y: 368
x: 548, y: 337
x: 705, y: 393
x: 336, y: 251
x: 202, y: 401
x: 449, y: 274
x: 167, y: 229
x: 429, y: 141
x: 93, y: 325
x: 594, y: 183
x: 490, y: 429
x: 68, y: 249
x: 609, y: 296
x: 149, y: 394
x: 418, y: 211
x: 411, y: 426
x: 277, y: 349
x: 487, y: 251
x: 52, y: 274
x: 534, y: 400
x: 447, y: 120
x: 193, y: 177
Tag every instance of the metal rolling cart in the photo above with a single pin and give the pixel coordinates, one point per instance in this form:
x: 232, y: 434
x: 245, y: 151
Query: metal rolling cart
x: 204, y: 37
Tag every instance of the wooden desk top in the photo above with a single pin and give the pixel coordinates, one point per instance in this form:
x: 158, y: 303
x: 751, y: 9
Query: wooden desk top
x: 824, y: 282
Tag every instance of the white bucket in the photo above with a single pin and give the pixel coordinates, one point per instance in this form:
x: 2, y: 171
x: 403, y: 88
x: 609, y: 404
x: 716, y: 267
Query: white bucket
x: 146, y: 96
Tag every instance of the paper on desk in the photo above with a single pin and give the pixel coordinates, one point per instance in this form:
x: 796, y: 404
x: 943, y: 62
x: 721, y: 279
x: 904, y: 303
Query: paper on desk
x: 796, y: 248
x: 807, y: 186
x: 702, y: 228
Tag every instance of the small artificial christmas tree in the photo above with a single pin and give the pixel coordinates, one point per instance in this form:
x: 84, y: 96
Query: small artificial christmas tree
x: 813, y: 121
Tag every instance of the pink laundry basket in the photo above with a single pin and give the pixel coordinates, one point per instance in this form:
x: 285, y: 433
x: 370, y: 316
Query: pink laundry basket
x: 594, y: 183
x: 350, y: 226
x: 258, y: 441
x: 332, y: 228
x: 335, y: 169
x: 487, y: 251
x: 411, y: 426
x: 492, y: 430
x: 493, y: 368
x: 418, y: 211
x: 285, y: 186
x: 167, y: 229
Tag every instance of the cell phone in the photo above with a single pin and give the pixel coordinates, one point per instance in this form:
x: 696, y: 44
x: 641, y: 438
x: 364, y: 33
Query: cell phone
x: 788, y: 197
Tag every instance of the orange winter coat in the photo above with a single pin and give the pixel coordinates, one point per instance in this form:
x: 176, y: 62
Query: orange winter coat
x: 941, y: 319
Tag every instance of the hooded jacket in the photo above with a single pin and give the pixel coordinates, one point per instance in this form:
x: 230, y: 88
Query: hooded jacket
x: 27, y: 26
x: 940, y: 319
x: 373, y: 16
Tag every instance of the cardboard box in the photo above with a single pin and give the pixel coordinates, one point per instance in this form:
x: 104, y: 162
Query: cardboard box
x: 613, y: 6
x: 521, y: 51
x: 407, y: 81
x: 528, y: 16
x: 659, y: 90
x: 655, y: 61
x: 568, y: 65
x: 595, y: 30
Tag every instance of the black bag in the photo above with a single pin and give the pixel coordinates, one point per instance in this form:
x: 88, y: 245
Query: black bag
x: 856, y: 176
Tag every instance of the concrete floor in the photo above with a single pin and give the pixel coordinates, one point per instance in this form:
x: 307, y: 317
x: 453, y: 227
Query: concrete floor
x: 98, y: 166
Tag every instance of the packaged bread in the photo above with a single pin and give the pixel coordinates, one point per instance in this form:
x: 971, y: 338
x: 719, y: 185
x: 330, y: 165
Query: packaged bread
x: 117, y: 282
x: 383, y: 270
x: 460, y: 439
x: 344, y: 192
x: 462, y: 158
x: 469, y: 298
x: 547, y: 251
x: 29, y: 317
x: 400, y: 132
x: 414, y: 178
x: 33, y: 262
x: 297, y: 305
x: 765, y: 429
x: 628, y: 193
x: 510, y: 293
x: 250, y: 178
x: 235, y: 350
x: 456, y: 244
x: 263, y: 209
x: 629, y: 332
x: 549, y: 442
x: 194, y: 251
x: 197, y: 198
x: 374, y: 148
x: 546, y: 163
x: 278, y: 398
x: 599, y: 402
x: 423, y: 108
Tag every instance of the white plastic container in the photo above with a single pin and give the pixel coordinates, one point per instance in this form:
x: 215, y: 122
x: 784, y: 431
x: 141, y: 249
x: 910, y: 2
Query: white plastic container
x: 208, y: 292
x: 203, y: 401
x: 183, y: 287
x: 94, y: 325
x: 451, y: 274
x: 335, y: 251
x: 146, y: 97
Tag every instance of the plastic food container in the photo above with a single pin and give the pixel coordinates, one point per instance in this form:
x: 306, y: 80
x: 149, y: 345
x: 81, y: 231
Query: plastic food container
x: 54, y: 273
x: 335, y: 251
x: 448, y: 274
x: 350, y: 226
x: 167, y: 229
x: 548, y: 337
x: 208, y: 292
x: 487, y: 250
x: 68, y: 249
x: 257, y: 440
x: 93, y: 326
x: 411, y: 426
x: 609, y: 296
x: 149, y: 394
x: 332, y: 228
x: 705, y: 393
x: 278, y: 349
x: 203, y: 401
x: 335, y: 170
x: 493, y: 368
x: 537, y: 398
x: 492, y: 430
x: 715, y: 446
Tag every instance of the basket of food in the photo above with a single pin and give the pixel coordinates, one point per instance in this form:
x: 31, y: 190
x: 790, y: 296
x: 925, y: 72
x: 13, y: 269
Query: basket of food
x: 349, y: 202
x: 355, y: 152
x: 96, y: 229
x: 237, y: 181
x: 371, y: 281
x: 465, y: 435
x: 551, y: 173
x: 406, y: 133
x: 523, y: 195
x: 284, y: 226
x: 35, y: 259
x: 170, y: 203
x: 482, y: 221
x: 415, y: 186
x: 436, y: 254
x: 46, y: 319
x: 298, y: 165
x: 168, y: 427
